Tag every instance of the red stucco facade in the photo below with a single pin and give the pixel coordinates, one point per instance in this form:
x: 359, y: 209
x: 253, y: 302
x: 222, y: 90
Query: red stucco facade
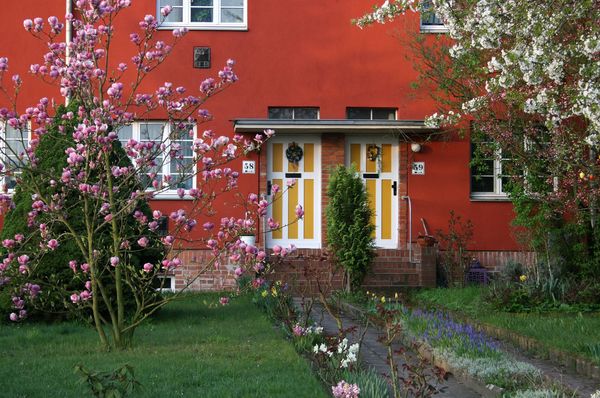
x: 296, y: 54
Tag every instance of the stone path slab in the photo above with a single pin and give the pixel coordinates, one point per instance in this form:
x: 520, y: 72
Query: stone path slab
x: 374, y: 354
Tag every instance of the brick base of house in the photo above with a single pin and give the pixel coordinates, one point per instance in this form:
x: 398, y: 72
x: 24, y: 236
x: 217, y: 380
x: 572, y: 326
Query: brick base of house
x: 496, y: 260
x: 391, y: 269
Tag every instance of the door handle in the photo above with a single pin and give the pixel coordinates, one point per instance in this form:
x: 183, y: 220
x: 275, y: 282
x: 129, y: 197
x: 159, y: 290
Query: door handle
x: 395, y: 188
x: 269, y: 187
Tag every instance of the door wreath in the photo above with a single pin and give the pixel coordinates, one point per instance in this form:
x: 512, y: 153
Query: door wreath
x: 294, y: 153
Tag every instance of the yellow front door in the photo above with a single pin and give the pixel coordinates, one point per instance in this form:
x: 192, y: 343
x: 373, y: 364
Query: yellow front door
x: 376, y: 161
x: 306, y: 172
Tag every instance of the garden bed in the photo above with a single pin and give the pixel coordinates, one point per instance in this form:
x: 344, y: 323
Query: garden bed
x: 192, y: 348
x: 469, y: 355
x: 565, y: 338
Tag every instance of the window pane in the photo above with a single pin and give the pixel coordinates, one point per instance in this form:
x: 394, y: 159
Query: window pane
x: 125, y: 133
x: 176, y: 15
x: 359, y: 113
x: 482, y: 184
x: 483, y: 167
x: 306, y: 113
x: 13, y: 133
x: 151, y: 132
x: 202, y: 3
x: 232, y: 3
x: 232, y: 15
x: 280, y: 113
x: 428, y: 17
x: 384, y: 114
x: 202, y: 15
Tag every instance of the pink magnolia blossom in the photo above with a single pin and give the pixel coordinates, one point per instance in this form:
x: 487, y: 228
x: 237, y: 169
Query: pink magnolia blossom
x: 52, y: 244
x: 114, y: 261
x: 224, y: 301
x: 143, y: 241
x: 166, y: 10
x: 148, y: 267
x: 299, y: 211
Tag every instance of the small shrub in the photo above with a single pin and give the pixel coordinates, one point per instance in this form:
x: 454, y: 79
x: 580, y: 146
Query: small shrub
x: 349, y: 226
x: 118, y: 383
x: 455, y: 258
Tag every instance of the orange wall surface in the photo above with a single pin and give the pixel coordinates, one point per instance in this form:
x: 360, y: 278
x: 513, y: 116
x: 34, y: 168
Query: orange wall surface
x: 294, y: 53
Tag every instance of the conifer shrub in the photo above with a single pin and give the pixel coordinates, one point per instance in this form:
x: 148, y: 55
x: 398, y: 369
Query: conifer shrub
x: 349, y: 227
x: 52, y: 273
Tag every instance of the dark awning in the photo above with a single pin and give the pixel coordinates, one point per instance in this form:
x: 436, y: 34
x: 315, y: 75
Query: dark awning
x: 332, y: 126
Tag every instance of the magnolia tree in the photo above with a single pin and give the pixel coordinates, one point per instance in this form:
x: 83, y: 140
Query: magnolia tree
x: 110, y: 194
x: 526, y: 76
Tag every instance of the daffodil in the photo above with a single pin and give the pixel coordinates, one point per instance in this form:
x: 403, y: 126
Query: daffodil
x: 523, y: 278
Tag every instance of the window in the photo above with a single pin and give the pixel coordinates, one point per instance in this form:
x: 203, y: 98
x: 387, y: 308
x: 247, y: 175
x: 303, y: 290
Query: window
x: 491, y: 170
x: 164, y: 283
x: 371, y: 113
x: 12, y: 153
x: 430, y: 22
x: 206, y: 14
x: 181, y: 169
x: 304, y: 113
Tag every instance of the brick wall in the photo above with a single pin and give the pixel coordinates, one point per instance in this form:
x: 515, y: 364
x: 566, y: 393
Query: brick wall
x: 496, y: 260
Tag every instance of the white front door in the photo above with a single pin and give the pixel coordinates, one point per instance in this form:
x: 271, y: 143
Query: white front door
x: 376, y: 161
x: 305, y: 233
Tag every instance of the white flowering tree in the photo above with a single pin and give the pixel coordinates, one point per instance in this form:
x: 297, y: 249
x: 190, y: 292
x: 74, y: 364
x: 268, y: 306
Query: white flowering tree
x: 525, y: 75
x: 109, y: 192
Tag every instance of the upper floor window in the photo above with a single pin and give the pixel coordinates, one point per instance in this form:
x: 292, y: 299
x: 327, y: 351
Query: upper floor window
x: 12, y: 155
x: 430, y: 22
x: 206, y: 14
x: 180, y: 168
x: 371, y: 113
x: 305, y: 113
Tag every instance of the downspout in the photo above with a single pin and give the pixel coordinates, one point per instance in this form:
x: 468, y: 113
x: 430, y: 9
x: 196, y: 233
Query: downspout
x: 410, y: 256
x: 68, y: 36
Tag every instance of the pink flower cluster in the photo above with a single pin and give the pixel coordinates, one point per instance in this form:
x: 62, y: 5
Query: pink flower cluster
x: 345, y: 390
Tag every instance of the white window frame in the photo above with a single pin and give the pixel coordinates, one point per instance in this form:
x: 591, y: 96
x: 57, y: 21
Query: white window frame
x: 498, y: 193
x: 371, y: 109
x: 3, y: 159
x: 169, y: 194
x: 215, y: 25
x: 168, y: 286
x: 294, y: 109
x: 430, y: 28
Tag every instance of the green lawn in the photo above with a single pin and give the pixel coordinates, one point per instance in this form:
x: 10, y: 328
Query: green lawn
x: 576, y: 333
x: 188, y: 350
